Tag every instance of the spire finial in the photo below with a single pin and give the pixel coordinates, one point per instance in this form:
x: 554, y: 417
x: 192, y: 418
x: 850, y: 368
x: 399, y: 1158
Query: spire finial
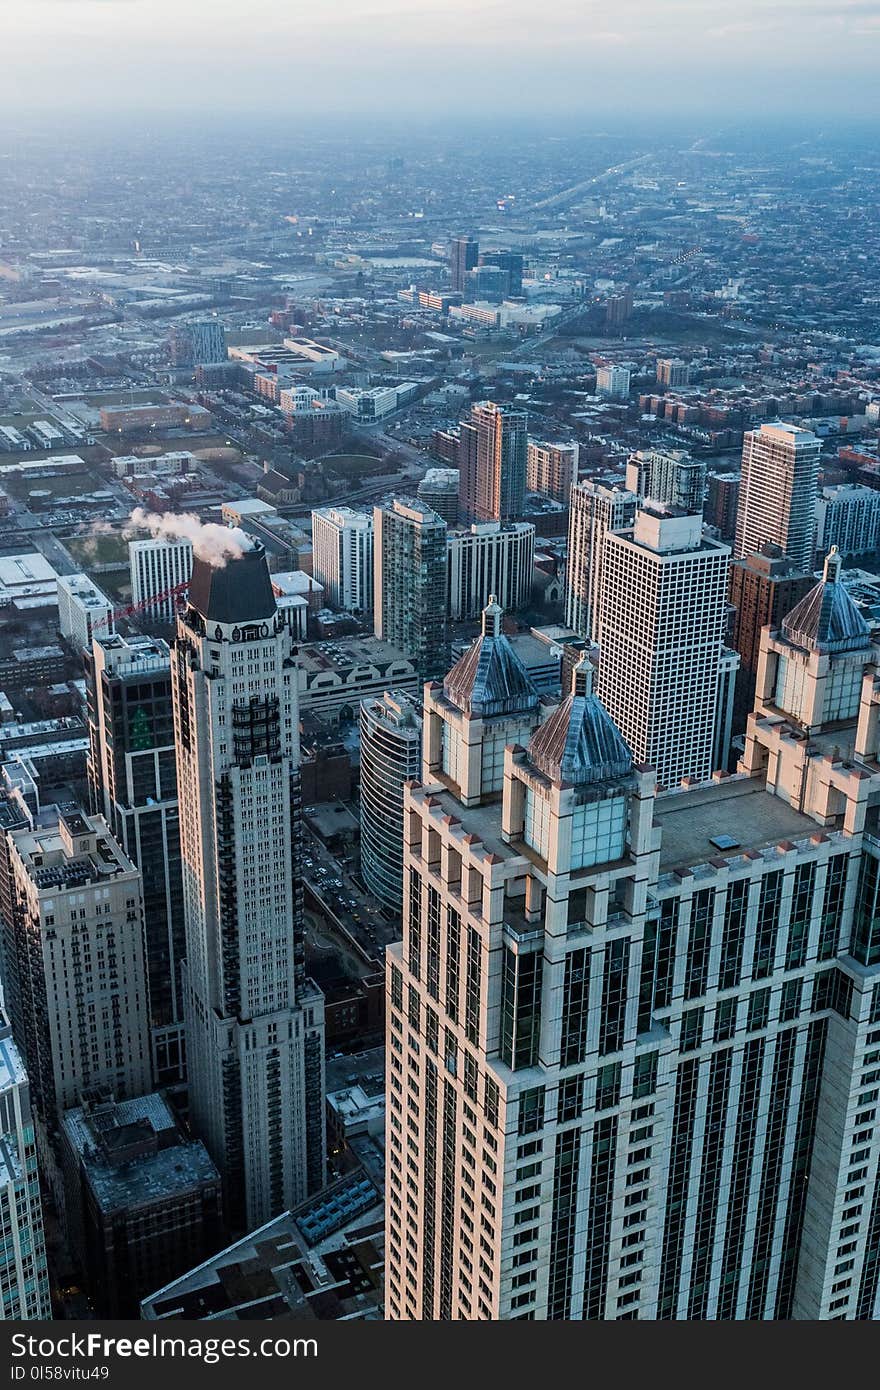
x: 582, y: 675
x: 492, y: 615
x: 831, y: 570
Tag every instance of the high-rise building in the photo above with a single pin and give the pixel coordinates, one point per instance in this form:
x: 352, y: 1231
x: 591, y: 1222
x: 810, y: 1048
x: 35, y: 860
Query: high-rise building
x: 82, y: 610
x: 198, y: 343
x: 613, y: 382
x: 672, y: 372
x: 254, y: 1022
x: 489, y: 558
x: 594, y: 510
x: 670, y: 476
x: 511, y: 262
x: 663, y: 605
x: 133, y: 785
x: 342, y: 556
x: 777, y: 492
x: 493, y: 452
x: 157, y: 566
x: 634, y: 1035
x: 464, y: 252
x: 762, y: 588
x: 391, y: 754
x: 847, y: 516
x: 722, y: 496
x: 551, y: 469
x: 409, y: 575
x: 80, y: 1005
x: 439, y: 491
x: 24, y: 1277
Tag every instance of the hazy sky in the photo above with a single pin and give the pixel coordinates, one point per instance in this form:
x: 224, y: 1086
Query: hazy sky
x: 582, y: 56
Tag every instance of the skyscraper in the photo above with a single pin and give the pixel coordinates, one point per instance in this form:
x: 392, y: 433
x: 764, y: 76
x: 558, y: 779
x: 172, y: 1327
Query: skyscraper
x: 670, y: 476
x: 254, y: 1022
x: 342, y: 556
x: 82, y: 609
x: 511, y: 262
x: 634, y: 1035
x: 409, y: 575
x: 778, y: 492
x: 157, y: 565
x: 493, y: 455
x: 133, y: 785
x: 663, y: 603
x: 551, y: 469
x: 489, y: 558
x: 464, y: 253
x: 761, y: 589
x: 391, y: 754
x: 24, y: 1278
x: 594, y: 510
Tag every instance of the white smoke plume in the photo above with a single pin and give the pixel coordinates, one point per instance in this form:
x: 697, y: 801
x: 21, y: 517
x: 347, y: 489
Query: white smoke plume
x: 211, y: 542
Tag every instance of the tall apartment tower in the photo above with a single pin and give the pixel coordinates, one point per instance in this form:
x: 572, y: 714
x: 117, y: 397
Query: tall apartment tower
x: 489, y: 558
x: 552, y: 469
x: 595, y: 509
x: 493, y: 455
x: 670, y: 476
x: 80, y: 1007
x: 664, y: 606
x: 762, y: 588
x: 254, y: 1022
x: 24, y: 1276
x: 342, y: 556
x: 82, y: 610
x: 633, y: 1038
x: 158, y: 565
x: 464, y: 253
x: 391, y: 754
x: 409, y: 576
x: 778, y: 492
x: 133, y: 785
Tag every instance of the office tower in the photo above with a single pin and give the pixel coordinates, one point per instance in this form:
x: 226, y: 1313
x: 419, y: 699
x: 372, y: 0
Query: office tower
x: 199, y: 343
x: 777, y: 492
x: 489, y: 559
x: 613, y: 382
x: 409, y: 577
x: 762, y: 588
x: 551, y: 469
x: 254, y: 1022
x: 669, y: 476
x: 663, y: 604
x: 487, y: 284
x: 80, y: 1009
x: 82, y: 610
x: 133, y: 785
x: 635, y: 1035
x: 464, y: 253
x: 342, y: 556
x: 24, y: 1277
x: 439, y: 491
x: 158, y: 566
x: 672, y: 372
x: 391, y: 754
x: 511, y: 262
x: 494, y: 445
x: 142, y: 1200
x: 848, y: 516
x: 722, y: 496
x: 595, y: 509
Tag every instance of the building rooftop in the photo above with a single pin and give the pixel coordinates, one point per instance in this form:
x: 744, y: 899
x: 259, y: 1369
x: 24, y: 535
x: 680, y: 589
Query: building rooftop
x: 238, y: 592
x: 827, y: 619
x: 740, y: 808
x: 490, y: 678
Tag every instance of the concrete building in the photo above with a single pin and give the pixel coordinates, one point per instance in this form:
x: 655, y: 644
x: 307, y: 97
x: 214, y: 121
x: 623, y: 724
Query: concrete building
x: 595, y: 510
x: 409, y: 579
x: 439, y: 491
x: 551, y: 469
x: 77, y: 991
x: 848, y: 517
x: 133, y: 784
x: 613, y: 382
x: 391, y: 754
x: 634, y: 1035
x: 143, y: 1202
x: 670, y: 476
x: 464, y: 253
x: 761, y: 590
x: 777, y: 493
x: 198, y: 342
x: 158, y: 566
x: 82, y: 610
x: 489, y: 558
x: 342, y: 556
x: 254, y: 1022
x: 663, y: 603
x: 492, y: 463
x: 334, y: 676
x: 24, y: 1276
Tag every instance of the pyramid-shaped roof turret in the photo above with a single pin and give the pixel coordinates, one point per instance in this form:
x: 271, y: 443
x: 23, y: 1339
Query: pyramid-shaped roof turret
x: 827, y: 619
x: 580, y: 743
x: 490, y: 679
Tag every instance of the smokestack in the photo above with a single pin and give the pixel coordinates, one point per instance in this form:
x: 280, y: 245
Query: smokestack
x: 214, y: 544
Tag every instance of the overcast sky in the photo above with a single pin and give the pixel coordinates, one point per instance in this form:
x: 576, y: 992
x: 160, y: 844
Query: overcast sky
x: 397, y: 56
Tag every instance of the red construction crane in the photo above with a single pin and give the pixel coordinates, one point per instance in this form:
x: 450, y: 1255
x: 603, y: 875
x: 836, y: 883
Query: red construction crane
x: 150, y: 602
